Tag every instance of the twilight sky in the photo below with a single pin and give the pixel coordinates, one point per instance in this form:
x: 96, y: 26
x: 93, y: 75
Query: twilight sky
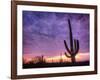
x: 44, y: 32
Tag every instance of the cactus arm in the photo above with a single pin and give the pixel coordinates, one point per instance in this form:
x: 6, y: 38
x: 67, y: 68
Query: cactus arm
x: 77, y: 47
x: 67, y: 55
x: 67, y: 47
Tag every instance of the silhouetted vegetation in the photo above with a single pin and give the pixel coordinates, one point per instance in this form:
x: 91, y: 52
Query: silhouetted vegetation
x: 74, y: 45
x: 59, y: 64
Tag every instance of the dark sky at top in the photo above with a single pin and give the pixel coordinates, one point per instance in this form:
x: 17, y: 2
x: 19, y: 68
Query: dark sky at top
x: 44, y: 32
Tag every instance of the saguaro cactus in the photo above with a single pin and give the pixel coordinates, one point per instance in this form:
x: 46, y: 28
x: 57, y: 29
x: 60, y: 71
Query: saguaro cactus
x: 74, y: 45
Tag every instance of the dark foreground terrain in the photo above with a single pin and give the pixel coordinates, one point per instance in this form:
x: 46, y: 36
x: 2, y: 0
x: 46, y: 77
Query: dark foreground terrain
x: 63, y: 64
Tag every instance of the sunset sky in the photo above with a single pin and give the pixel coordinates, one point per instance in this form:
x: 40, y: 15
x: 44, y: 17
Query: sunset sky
x: 44, y: 33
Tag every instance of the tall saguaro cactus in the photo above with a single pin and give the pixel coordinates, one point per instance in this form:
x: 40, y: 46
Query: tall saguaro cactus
x: 74, y: 45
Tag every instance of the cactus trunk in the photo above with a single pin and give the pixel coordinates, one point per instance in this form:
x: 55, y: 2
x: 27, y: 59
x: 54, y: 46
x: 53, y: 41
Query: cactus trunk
x: 73, y: 59
x: 71, y: 36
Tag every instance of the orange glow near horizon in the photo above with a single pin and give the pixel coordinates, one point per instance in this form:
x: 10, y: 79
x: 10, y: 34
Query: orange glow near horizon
x: 79, y: 57
x: 58, y: 58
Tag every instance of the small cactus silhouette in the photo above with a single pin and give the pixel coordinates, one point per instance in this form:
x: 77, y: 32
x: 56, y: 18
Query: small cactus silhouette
x: 74, y: 45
